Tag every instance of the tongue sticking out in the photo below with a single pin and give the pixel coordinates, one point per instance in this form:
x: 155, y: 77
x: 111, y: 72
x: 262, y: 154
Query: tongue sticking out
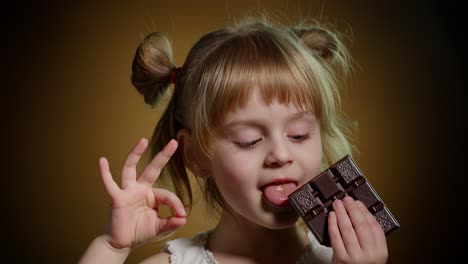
x: 277, y: 194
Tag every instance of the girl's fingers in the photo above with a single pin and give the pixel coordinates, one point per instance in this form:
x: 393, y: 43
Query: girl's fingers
x: 129, y: 168
x: 109, y: 184
x: 345, y: 226
x: 170, y: 224
x: 153, y: 169
x: 335, y: 236
x: 163, y: 196
x: 359, y: 219
x: 378, y: 233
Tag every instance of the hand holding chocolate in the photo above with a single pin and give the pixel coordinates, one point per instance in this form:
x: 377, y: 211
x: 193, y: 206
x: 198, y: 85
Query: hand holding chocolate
x: 314, y: 199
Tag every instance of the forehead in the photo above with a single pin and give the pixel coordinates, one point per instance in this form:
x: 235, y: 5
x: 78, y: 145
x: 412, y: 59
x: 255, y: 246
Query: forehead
x: 257, y: 110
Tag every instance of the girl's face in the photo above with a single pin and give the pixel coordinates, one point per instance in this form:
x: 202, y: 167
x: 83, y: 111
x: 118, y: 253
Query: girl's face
x: 263, y: 152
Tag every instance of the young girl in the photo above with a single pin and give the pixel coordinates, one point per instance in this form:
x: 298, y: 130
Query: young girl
x: 255, y: 113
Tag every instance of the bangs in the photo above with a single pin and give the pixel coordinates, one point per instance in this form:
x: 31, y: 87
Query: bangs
x: 257, y: 61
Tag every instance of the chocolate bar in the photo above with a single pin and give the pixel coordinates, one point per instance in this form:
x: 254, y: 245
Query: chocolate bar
x: 314, y: 199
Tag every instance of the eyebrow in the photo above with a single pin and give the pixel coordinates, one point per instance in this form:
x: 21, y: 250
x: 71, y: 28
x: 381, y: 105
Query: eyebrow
x: 255, y: 123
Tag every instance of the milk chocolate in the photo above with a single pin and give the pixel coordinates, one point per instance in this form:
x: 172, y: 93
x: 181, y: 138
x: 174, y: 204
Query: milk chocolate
x: 314, y: 199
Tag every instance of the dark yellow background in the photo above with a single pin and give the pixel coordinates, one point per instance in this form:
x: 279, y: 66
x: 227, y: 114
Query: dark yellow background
x: 68, y: 100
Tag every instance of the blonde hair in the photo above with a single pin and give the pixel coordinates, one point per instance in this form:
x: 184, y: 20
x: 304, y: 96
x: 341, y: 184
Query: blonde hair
x: 293, y: 65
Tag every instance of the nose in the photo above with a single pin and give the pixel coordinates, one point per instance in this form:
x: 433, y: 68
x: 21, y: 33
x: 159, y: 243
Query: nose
x: 279, y: 154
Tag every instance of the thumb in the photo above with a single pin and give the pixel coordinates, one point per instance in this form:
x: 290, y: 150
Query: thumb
x: 171, y: 223
x: 179, y: 216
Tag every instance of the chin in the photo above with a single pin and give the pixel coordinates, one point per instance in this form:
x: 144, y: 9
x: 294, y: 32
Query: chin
x: 280, y: 216
x: 283, y: 221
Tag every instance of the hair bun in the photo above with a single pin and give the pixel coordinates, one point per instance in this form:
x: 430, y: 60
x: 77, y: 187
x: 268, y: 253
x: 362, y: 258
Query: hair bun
x: 319, y: 41
x: 324, y: 44
x: 152, y: 67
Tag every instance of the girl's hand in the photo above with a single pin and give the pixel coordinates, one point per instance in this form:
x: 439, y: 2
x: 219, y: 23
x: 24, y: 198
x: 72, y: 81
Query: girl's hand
x: 355, y: 235
x: 134, y: 218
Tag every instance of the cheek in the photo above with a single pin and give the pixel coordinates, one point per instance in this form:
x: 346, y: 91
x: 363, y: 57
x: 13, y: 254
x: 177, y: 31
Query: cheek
x: 235, y: 179
x: 318, y: 154
x: 233, y: 169
x: 311, y: 157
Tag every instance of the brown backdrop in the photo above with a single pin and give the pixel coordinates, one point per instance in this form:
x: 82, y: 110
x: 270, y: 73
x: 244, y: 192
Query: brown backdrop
x: 69, y: 100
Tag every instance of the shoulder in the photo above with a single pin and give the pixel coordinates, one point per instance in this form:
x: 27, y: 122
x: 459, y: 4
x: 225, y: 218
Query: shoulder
x: 197, y: 242
x: 186, y: 251
x: 161, y: 258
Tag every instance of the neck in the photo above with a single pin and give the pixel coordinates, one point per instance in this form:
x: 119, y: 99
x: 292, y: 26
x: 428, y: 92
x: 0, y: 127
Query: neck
x: 236, y: 238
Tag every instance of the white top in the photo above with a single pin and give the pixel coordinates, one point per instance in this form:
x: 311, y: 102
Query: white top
x: 193, y: 251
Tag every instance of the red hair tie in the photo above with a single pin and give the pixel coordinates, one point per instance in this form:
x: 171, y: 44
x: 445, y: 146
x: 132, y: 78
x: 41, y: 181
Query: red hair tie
x: 173, y: 74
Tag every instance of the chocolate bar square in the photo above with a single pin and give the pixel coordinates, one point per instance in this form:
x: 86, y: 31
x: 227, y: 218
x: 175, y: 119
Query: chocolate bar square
x: 314, y: 199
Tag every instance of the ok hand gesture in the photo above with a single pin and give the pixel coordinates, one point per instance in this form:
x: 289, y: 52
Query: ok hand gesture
x: 134, y: 218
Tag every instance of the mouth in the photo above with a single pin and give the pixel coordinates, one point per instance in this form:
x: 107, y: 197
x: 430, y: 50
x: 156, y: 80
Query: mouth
x: 276, y: 192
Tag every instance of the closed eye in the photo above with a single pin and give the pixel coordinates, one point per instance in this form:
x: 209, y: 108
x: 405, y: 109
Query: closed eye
x: 247, y: 145
x: 299, y: 138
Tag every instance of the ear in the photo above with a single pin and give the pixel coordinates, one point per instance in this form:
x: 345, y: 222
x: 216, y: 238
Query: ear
x: 191, y: 155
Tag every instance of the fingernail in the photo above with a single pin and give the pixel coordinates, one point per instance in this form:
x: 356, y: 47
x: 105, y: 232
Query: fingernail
x: 182, y: 212
x: 348, y: 199
x: 338, y: 203
x: 359, y: 204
